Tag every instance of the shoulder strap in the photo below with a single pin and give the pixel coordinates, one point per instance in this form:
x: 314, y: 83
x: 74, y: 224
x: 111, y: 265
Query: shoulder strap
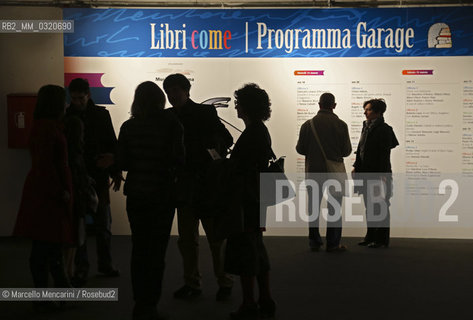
x: 273, y: 155
x: 312, y: 126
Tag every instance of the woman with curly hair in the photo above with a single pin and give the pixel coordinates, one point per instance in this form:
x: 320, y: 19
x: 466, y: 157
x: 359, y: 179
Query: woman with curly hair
x: 246, y: 254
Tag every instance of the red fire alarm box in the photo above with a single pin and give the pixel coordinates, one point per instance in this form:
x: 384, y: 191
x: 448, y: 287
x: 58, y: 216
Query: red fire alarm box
x: 20, y: 118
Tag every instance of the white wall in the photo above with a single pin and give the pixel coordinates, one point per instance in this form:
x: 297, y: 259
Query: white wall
x: 27, y: 61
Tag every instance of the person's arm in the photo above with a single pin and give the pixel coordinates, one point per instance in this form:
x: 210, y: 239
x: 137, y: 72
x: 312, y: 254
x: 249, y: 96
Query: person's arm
x: 107, y: 141
x: 108, y: 148
x: 346, y: 143
x: 61, y: 161
x: 387, y: 142
x: 122, y: 158
x: 252, y: 159
x: 357, y: 164
x: 178, y: 148
x: 222, y: 137
x: 301, y: 146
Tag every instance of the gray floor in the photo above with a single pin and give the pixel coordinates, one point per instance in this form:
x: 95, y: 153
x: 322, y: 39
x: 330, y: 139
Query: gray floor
x: 413, y: 279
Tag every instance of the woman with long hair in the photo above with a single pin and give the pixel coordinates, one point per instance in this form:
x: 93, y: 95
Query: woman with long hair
x: 45, y: 213
x: 150, y: 148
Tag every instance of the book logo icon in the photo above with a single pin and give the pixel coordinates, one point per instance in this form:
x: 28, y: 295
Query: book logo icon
x: 99, y: 93
x: 439, y: 36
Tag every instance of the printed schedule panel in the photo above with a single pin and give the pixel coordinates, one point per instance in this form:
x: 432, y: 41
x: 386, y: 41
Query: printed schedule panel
x: 420, y: 60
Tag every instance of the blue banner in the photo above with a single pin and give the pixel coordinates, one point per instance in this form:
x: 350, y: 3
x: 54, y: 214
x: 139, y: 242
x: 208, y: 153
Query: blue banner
x: 252, y: 33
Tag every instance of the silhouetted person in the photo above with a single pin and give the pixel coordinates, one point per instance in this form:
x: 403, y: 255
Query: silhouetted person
x: 84, y: 195
x: 373, y: 164
x: 202, y: 131
x: 150, y: 148
x: 99, y: 151
x: 245, y: 254
x: 333, y: 135
x: 45, y: 213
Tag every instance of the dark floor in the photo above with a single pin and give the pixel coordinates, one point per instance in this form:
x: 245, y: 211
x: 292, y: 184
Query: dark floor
x: 413, y: 279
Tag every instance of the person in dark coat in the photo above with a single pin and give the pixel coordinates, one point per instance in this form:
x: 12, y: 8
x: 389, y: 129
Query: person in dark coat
x: 100, y: 145
x: 45, y: 213
x: 245, y: 253
x: 150, y: 149
x: 373, y: 166
x: 203, y: 132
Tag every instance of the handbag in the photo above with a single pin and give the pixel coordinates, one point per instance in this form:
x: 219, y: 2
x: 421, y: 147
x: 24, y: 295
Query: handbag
x: 268, y: 192
x: 335, y: 169
x: 91, y: 195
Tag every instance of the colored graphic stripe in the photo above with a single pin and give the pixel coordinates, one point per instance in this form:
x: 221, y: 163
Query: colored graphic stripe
x: 248, y: 33
x: 101, y: 95
x: 417, y: 72
x: 93, y: 78
x: 309, y: 72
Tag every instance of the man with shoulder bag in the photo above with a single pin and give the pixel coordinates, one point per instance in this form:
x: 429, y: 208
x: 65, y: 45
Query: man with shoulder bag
x: 324, y: 141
